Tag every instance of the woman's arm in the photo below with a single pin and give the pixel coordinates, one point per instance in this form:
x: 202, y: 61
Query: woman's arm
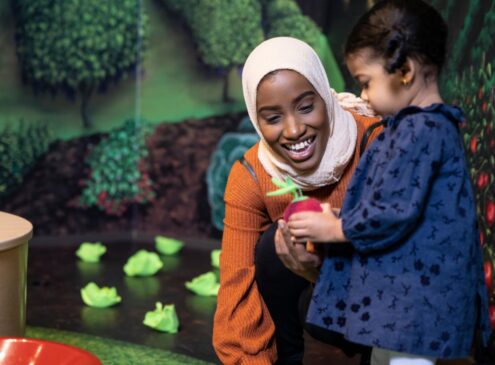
x: 243, y: 331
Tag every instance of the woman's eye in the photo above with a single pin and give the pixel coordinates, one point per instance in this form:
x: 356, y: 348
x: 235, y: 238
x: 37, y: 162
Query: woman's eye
x: 365, y: 85
x: 306, y: 108
x: 272, y: 118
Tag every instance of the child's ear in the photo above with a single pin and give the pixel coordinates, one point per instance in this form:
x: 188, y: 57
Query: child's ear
x: 408, y: 71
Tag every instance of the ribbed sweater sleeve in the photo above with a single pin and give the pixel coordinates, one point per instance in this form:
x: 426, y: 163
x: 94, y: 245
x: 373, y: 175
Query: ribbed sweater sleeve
x: 243, y: 331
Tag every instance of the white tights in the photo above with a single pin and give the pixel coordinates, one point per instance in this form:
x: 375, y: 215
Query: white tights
x: 387, y: 357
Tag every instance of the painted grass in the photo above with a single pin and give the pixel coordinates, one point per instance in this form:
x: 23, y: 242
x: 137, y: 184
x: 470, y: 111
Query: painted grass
x: 112, y: 352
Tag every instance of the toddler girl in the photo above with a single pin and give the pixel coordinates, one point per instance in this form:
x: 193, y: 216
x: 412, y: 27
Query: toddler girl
x: 413, y: 285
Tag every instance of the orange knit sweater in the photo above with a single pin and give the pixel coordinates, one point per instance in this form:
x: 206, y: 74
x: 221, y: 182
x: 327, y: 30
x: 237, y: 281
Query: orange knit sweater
x: 243, y: 331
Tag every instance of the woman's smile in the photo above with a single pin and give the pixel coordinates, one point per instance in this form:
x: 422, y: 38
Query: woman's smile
x: 302, y: 150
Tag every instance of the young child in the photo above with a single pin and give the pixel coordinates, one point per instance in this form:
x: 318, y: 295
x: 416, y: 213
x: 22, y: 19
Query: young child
x: 413, y: 287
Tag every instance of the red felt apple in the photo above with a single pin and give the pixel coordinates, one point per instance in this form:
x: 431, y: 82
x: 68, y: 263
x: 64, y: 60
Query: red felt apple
x: 304, y: 205
x: 300, y: 203
x: 483, y: 180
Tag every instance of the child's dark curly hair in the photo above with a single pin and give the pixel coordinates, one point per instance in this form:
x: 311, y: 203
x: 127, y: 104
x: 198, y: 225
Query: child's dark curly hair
x: 397, y: 29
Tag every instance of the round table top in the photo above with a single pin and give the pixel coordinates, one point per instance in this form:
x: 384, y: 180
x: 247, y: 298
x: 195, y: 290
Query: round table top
x: 14, y: 230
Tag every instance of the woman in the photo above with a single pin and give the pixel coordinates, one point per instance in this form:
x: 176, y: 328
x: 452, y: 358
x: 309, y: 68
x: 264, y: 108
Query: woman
x: 306, y: 135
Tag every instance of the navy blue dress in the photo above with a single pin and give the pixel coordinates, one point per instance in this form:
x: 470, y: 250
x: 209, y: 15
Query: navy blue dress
x: 413, y: 279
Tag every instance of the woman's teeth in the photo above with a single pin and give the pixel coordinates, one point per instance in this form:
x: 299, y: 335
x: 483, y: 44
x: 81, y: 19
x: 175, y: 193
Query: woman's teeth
x: 299, y: 146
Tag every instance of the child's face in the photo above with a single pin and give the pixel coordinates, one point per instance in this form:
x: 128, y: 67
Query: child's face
x: 293, y: 119
x: 381, y: 89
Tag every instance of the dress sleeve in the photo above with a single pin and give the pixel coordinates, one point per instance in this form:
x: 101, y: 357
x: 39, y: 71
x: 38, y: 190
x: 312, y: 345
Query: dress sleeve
x: 243, y: 331
x: 387, y: 195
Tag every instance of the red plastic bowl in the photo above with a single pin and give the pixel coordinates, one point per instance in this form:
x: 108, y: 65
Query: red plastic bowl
x: 28, y: 351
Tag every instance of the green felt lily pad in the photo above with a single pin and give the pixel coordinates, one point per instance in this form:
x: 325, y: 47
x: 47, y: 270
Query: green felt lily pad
x: 168, y: 246
x: 163, y: 318
x: 94, y: 296
x: 90, y: 252
x: 205, y: 284
x: 143, y: 263
x: 215, y: 258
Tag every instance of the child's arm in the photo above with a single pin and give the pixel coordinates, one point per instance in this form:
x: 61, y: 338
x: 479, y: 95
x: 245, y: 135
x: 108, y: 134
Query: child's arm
x: 316, y: 227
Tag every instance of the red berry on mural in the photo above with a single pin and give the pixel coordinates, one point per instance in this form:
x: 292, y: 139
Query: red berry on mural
x: 482, y: 180
x: 490, y: 212
x: 474, y: 142
x: 492, y: 143
x: 491, y: 314
x: 480, y: 93
x: 488, y: 269
x: 484, y: 106
x: 102, y: 196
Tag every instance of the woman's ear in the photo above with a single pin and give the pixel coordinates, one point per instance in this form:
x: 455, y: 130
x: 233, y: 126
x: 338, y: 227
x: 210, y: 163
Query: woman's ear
x: 408, y: 72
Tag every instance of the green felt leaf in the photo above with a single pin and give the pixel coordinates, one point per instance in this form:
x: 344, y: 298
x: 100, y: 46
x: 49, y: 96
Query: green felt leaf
x: 163, y: 318
x: 143, y: 263
x: 168, y: 246
x: 94, y: 296
x: 91, y: 252
x: 204, y: 285
x: 215, y: 258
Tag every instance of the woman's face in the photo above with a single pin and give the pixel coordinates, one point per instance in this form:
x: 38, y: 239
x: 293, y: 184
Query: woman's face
x: 293, y: 119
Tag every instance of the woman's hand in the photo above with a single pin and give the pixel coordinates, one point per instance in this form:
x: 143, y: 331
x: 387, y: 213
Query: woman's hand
x: 294, y: 256
x: 316, y: 227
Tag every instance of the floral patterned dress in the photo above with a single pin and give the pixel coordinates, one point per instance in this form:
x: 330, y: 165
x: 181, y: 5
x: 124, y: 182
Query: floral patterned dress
x: 412, y: 281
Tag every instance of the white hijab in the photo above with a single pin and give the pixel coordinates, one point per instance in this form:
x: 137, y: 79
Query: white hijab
x: 292, y: 54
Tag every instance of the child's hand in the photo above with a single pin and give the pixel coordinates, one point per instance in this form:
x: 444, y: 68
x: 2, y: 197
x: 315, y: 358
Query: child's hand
x: 316, y: 227
x: 294, y: 256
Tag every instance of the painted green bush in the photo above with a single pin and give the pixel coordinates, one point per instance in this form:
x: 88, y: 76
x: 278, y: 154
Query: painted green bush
x: 225, y: 31
x: 76, y: 46
x: 19, y: 151
x: 118, y: 171
x: 284, y: 18
x: 231, y: 148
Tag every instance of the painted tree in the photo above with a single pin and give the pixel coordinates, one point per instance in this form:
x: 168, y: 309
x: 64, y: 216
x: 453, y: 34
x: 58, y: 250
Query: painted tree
x: 224, y: 31
x: 284, y: 18
x: 77, y: 46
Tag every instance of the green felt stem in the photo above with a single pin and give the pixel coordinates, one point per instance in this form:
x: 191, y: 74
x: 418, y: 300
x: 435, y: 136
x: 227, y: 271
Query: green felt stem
x: 287, y: 187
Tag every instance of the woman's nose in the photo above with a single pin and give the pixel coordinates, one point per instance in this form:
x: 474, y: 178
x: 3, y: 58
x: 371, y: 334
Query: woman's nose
x: 293, y: 128
x: 364, y: 95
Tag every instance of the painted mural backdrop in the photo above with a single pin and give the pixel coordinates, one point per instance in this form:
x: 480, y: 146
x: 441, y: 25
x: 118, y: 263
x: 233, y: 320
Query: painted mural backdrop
x: 125, y: 104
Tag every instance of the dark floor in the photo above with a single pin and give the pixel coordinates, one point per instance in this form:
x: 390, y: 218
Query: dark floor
x: 55, y: 276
